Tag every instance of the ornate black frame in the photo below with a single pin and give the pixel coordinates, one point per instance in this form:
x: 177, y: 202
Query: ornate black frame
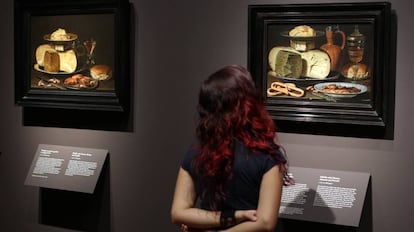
x: 112, y: 101
x: 371, y: 120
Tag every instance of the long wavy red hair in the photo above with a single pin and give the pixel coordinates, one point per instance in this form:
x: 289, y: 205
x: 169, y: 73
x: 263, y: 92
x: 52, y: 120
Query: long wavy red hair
x: 230, y: 109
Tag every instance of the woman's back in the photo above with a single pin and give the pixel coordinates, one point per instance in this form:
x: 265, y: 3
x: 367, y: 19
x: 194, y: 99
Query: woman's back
x: 235, y: 169
x: 242, y: 190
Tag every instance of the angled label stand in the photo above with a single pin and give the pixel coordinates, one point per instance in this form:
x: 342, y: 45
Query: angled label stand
x: 66, y: 168
x: 74, y: 187
x: 325, y: 196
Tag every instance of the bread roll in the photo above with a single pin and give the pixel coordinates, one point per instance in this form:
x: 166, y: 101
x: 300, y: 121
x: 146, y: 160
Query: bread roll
x: 101, y: 72
x: 355, y: 72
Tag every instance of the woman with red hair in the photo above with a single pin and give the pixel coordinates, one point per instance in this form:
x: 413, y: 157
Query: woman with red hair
x: 231, y: 178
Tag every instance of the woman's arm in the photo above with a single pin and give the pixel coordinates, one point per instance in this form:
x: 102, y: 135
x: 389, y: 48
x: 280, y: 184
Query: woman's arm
x: 268, y: 207
x: 183, y: 211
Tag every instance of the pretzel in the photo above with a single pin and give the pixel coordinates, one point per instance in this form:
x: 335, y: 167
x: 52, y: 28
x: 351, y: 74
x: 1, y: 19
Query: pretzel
x: 273, y: 92
x: 289, y: 89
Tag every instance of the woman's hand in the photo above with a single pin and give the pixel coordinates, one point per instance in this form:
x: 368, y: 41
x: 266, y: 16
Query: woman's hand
x: 184, y: 228
x: 241, y: 216
x: 245, y: 215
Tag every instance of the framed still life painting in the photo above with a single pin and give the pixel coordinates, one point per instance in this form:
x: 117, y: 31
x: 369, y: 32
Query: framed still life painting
x: 72, y: 54
x: 325, y: 68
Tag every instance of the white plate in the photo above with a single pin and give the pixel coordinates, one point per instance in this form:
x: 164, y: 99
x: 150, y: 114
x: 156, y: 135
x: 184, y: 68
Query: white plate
x: 72, y: 37
x: 39, y: 68
x: 302, y: 38
x: 319, y: 87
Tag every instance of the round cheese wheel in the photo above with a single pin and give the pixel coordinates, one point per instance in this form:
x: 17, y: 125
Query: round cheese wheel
x: 41, y: 51
x: 316, y: 64
x: 285, y: 62
x: 67, y: 60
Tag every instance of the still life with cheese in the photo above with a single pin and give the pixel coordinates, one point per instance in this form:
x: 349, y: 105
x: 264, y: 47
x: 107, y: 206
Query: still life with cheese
x: 64, y: 62
x: 327, y: 64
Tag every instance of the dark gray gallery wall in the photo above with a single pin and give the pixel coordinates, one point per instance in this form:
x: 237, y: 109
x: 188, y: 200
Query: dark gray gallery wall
x: 177, y: 44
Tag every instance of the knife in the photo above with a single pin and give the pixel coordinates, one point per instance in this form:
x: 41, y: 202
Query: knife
x: 321, y: 95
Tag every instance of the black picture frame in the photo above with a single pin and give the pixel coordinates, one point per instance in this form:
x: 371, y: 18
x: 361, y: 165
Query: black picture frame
x: 367, y: 114
x: 106, y: 22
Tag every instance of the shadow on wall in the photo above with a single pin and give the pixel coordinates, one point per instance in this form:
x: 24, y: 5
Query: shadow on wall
x: 291, y: 225
x: 80, y: 119
x: 78, y: 211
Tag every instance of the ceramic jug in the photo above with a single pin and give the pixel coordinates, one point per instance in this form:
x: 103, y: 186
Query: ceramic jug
x: 334, y: 51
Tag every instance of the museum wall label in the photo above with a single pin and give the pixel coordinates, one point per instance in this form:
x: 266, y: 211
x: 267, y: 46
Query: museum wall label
x: 325, y: 196
x: 66, y: 168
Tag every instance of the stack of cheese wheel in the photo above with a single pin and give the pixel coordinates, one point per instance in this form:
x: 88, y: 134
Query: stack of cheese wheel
x: 286, y: 62
x: 55, y: 61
